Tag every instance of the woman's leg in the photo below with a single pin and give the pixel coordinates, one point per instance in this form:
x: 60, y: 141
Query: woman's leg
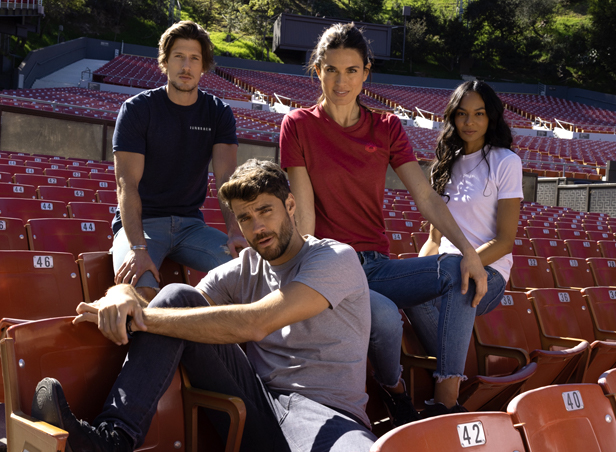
x: 420, y: 281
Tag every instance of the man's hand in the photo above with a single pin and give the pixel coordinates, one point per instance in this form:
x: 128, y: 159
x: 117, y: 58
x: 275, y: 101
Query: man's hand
x: 111, y: 311
x: 135, y: 264
x: 236, y: 243
x: 471, y: 266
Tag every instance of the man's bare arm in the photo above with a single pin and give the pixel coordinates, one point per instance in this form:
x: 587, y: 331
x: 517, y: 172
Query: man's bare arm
x: 224, y: 161
x: 229, y: 324
x: 129, y: 170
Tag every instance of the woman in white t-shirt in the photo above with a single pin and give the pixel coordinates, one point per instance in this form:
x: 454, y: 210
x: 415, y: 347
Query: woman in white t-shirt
x: 480, y: 178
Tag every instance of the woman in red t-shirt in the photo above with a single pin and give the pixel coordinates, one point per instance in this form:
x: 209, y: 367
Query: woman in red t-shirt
x: 336, y: 154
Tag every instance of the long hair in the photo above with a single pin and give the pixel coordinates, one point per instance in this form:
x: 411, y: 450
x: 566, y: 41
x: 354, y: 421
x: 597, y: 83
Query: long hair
x: 340, y: 36
x: 449, y: 142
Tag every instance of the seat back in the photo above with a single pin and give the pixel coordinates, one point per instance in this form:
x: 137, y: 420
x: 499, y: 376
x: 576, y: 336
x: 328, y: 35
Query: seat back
x: 31, y: 208
x: 65, y: 194
x: 12, y: 234
x: 399, y: 224
x: 92, y: 210
x: 607, y: 381
x: 530, y: 273
x: 523, y: 247
x: 39, y: 179
x: 603, y: 270
x: 38, y: 284
x: 565, y: 418
x: 419, y: 238
x: 608, y: 248
x: 400, y: 242
x: 601, y: 302
x: 492, y: 431
x: 573, y: 234
x: 549, y: 247
x: 71, y: 235
x: 541, y: 233
x: 91, y: 184
x: 17, y: 190
x: 86, y: 364
x: 583, y: 248
x: 570, y: 272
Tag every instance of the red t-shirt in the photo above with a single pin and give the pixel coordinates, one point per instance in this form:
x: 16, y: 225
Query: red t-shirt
x: 347, y: 167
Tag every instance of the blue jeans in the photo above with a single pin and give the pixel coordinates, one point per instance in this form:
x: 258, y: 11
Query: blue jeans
x: 185, y: 240
x: 428, y: 289
x: 274, y: 422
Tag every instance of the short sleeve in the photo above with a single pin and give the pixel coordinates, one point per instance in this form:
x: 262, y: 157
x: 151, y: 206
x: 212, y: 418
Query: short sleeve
x: 225, y: 125
x: 131, y: 127
x: 291, y: 151
x: 220, y: 283
x: 334, y: 271
x: 509, y: 177
x: 400, y: 151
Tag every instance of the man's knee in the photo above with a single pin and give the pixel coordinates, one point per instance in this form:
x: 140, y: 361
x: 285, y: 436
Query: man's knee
x: 178, y: 296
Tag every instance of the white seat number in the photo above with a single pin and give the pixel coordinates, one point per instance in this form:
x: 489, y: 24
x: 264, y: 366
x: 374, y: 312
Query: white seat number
x: 573, y: 400
x: 43, y: 261
x: 471, y: 434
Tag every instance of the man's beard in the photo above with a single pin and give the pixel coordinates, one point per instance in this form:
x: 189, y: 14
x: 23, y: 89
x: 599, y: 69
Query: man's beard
x: 283, y: 236
x: 178, y: 86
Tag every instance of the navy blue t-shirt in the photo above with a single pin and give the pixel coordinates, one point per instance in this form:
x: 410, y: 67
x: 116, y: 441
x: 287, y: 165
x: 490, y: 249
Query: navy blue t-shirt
x: 177, y: 143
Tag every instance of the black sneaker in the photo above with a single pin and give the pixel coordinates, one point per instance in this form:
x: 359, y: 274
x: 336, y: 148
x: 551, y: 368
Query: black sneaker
x: 437, y: 409
x: 50, y: 405
x: 399, y: 406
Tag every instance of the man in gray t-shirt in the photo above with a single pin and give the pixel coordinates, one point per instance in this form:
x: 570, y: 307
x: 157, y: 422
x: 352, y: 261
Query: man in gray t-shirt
x: 301, y: 305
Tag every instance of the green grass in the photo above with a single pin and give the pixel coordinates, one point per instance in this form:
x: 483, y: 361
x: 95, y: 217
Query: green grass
x: 240, y: 47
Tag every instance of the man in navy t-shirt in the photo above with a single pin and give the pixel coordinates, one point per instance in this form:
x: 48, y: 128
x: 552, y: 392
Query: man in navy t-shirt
x: 163, y: 143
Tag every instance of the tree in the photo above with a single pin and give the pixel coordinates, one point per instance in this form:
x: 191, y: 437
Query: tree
x: 602, y: 40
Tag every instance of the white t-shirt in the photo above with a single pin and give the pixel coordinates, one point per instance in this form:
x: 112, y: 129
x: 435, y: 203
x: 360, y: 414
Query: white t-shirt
x: 473, y: 202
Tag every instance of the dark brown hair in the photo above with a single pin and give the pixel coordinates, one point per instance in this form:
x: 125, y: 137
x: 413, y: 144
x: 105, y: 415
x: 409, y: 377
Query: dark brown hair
x: 186, y: 29
x: 340, y: 36
x: 449, y: 142
x: 253, y: 178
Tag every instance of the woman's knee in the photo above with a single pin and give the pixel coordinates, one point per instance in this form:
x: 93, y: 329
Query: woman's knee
x: 178, y: 296
x: 385, y: 315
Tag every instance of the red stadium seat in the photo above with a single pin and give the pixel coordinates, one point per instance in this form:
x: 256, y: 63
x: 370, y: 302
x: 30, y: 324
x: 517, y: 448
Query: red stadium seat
x: 66, y: 174
x: 31, y: 208
x: 530, y: 273
x: 601, y: 302
x: 564, y: 320
x: 211, y: 203
x: 564, y: 418
x: 107, y: 196
x: 17, y: 191
x: 397, y: 224
x: 583, y: 248
x: 549, y: 247
x: 571, y: 234
x: 65, y: 194
x: 419, y: 238
x: 12, y: 234
x: 600, y: 235
x: 212, y: 215
x: 39, y: 179
x: 400, y: 242
x: 13, y: 169
x: 491, y: 431
x: 570, y: 272
x: 91, y: 184
x: 103, y: 176
x: 71, y: 235
x: 608, y: 248
x: 607, y: 381
x: 541, y: 233
x: 6, y: 177
x: 92, y: 210
x: 512, y: 330
x: 603, y: 270
x: 523, y: 247
x: 387, y: 213
x: 87, y: 364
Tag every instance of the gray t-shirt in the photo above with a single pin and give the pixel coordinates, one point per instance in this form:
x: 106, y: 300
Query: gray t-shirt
x: 322, y: 358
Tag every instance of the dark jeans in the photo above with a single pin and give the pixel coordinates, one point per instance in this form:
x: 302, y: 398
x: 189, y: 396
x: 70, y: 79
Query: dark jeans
x: 274, y: 422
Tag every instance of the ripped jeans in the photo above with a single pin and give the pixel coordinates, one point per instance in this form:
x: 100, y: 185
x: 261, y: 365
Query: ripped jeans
x: 428, y: 289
